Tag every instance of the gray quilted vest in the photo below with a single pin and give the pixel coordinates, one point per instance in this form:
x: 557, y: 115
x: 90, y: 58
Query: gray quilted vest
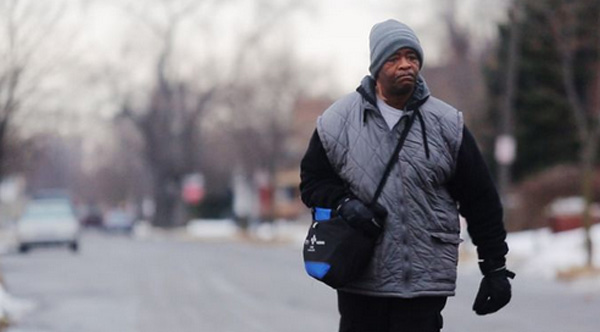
x: 417, y: 254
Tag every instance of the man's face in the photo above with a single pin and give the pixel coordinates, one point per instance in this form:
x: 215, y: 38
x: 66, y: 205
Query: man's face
x: 398, y: 75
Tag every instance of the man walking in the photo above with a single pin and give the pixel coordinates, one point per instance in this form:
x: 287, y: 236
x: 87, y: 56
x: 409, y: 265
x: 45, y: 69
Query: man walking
x: 439, y: 173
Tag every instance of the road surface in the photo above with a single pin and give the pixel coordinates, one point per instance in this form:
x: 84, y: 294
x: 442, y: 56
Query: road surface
x: 121, y: 284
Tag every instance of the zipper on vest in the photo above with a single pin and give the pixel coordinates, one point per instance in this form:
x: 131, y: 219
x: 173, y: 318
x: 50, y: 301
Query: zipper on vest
x: 405, y: 255
x: 407, y: 268
x: 406, y: 259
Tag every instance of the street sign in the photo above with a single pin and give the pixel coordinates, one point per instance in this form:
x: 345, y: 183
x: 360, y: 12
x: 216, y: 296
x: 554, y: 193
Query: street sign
x: 506, y: 149
x: 193, y: 188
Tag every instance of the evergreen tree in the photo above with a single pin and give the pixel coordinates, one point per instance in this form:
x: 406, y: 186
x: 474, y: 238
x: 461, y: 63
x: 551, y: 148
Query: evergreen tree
x: 544, y: 126
x: 557, y: 106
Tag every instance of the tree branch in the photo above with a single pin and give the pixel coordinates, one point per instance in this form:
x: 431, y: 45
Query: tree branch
x: 562, y: 31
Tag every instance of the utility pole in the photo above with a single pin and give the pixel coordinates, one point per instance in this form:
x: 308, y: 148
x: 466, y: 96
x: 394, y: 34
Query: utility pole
x: 506, y: 146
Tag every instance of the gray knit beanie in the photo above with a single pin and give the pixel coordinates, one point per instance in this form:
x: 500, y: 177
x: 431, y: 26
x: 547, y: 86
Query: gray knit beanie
x: 388, y: 37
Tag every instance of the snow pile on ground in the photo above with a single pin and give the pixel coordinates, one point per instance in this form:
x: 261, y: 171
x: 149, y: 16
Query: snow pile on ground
x: 277, y: 231
x: 212, y: 228
x: 546, y: 255
x: 12, y: 309
x: 283, y: 231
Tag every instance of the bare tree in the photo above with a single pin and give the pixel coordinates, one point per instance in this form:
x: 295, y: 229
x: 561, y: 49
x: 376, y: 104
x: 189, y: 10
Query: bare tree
x: 262, y: 101
x: 459, y: 79
x: 25, y: 31
x: 575, y: 27
x: 56, y: 162
x: 168, y: 122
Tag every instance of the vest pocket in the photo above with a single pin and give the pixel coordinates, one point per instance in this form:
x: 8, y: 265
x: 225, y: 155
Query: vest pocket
x: 445, y: 253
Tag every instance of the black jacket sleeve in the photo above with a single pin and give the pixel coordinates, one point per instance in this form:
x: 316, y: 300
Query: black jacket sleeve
x: 320, y: 185
x: 479, y: 203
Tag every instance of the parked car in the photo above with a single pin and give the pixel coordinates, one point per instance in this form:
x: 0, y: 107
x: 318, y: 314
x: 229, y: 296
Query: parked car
x: 119, y: 221
x: 92, y: 217
x: 48, y: 221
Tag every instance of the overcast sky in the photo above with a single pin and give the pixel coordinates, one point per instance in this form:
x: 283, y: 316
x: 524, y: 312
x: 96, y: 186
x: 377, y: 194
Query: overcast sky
x: 335, y: 33
x: 339, y: 32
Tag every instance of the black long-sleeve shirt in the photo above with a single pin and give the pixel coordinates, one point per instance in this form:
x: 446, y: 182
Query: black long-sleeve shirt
x: 471, y: 187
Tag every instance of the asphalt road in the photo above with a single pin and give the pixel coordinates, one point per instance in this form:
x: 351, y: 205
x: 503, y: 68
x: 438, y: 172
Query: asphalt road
x: 122, y: 284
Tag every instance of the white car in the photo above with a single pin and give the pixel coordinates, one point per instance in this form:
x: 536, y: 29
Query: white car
x: 119, y: 221
x: 48, y: 222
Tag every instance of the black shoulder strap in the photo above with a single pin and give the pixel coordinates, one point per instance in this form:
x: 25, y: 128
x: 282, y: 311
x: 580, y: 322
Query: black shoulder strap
x: 394, y: 156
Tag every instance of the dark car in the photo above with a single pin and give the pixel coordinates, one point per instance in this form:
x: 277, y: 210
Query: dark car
x: 92, y: 218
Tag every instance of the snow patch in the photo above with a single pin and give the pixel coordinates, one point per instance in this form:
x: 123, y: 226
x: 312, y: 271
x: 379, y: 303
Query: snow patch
x: 543, y: 254
x: 13, y: 309
x: 212, y: 228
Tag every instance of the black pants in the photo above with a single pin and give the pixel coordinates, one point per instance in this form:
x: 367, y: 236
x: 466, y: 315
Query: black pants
x: 360, y: 313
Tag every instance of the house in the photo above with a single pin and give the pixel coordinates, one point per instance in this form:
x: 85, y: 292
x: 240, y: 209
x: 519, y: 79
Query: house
x: 286, y: 196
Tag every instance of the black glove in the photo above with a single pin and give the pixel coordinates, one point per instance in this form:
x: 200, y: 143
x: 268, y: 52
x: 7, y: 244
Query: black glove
x: 494, y: 290
x: 370, y: 220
